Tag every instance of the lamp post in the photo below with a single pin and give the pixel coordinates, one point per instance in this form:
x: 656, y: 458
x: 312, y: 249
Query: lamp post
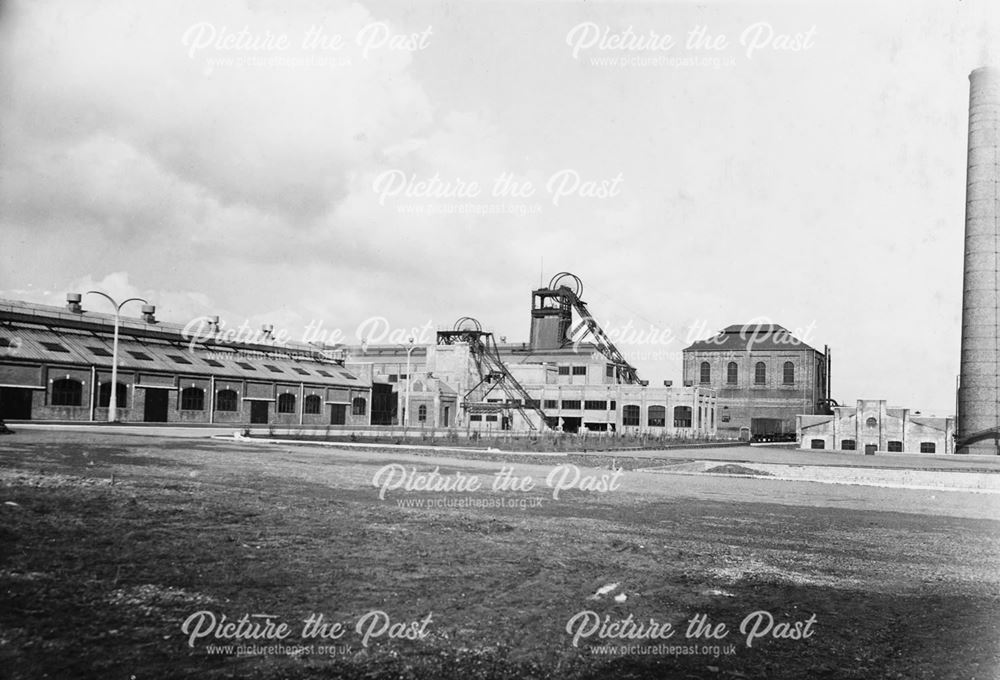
x: 406, y: 408
x: 113, y: 401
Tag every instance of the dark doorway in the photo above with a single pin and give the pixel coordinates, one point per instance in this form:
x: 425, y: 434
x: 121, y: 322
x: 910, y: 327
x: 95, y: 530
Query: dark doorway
x: 15, y: 403
x: 157, y: 404
x: 870, y: 449
x: 258, y: 412
x: 571, y: 424
x: 338, y: 414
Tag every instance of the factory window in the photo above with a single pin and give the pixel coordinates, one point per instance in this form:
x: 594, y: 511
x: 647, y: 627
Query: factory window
x: 67, y: 392
x: 594, y: 405
x: 225, y: 400
x: 579, y: 370
x: 300, y: 370
x: 895, y: 447
x: 104, y: 395
x: 393, y: 377
x: 928, y: 447
x: 286, y: 403
x: 141, y: 356
x: 193, y: 399
x: 706, y: 373
x: 213, y: 362
x: 491, y: 419
x: 100, y: 352
x: 613, y: 406
x: 817, y: 444
x: 178, y: 359
x: 571, y: 404
x: 54, y: 347
x: 325, y: 374
x: 657, y: 416
x: 564, y: 370
x: 630, y: 415
x: 272, y: 368
x: 760, y: 373
x: 313, y: 404
x: 359, y: 407
x: 682, y: 416
x: 848, y: 445
x: 732, y: 373
x: 788, y: 375
x: 249, y: 367
x: 422, y: 413
x: 609, y: 371
x: 871, y: 422
x: 475, y: 418
x: 551, y: 403
x: 533, y: 403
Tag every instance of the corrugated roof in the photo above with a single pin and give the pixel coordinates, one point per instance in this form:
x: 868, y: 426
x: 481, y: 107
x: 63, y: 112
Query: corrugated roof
x: 50, y: 337
x: 751, y: 337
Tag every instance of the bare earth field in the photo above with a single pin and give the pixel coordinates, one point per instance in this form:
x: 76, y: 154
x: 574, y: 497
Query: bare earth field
x: 111, y: 545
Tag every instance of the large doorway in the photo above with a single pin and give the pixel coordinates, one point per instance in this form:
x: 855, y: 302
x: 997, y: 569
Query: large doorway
x: 15, y: 403
x: 157, y: 405
x: 258, y: 412
x: 338, y: 414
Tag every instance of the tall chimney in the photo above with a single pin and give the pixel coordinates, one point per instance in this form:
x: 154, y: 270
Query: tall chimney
x: 979, y: 387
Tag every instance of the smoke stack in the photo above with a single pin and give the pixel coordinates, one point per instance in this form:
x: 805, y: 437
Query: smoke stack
x: 979, y: 387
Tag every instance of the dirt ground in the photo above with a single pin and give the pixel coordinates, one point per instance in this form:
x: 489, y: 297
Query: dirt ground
x: 109, y: 544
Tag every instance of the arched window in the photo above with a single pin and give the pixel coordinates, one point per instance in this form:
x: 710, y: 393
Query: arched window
x: 313, y: 404
x: 706, y: 372
x: 422, y: 413
x: 630, y: 415
x: 927, y: 447
x: 286, y: 403
x: 359, y: 406
x: 788, y: 374
x: 657, y: 416
x: 67, y: 392
x: 104, y: 395
x: 225, y: 400
x: 760, y: 373
x: 817, y: 444
x: 732, y: 373
x: 682, y: 416
x: 848, y: 445
x: 192, y: 399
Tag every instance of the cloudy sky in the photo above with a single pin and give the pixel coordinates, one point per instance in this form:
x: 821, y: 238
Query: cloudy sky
x: 696, y: 164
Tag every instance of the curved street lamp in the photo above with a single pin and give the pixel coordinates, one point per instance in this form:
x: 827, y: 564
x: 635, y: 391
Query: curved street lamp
x: 406, y: 408
x: 113, y: 401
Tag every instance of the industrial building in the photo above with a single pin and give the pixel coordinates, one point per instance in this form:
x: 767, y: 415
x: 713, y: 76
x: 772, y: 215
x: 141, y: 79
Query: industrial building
x: 764, y: 378
x: 56, y: 364
x: 873, y: 428
x: 562, y: 379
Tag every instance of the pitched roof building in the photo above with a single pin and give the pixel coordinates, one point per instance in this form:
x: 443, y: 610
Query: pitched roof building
x: 764, y: 377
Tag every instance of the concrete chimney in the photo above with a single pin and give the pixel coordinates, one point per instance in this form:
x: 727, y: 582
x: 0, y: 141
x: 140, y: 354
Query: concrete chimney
x: 979, y: 387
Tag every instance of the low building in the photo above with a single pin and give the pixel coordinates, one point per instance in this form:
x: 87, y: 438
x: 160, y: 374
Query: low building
x: 575, y: 387
x: 764, y: 377
x: 56, y: 364
x: 871, y: 427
